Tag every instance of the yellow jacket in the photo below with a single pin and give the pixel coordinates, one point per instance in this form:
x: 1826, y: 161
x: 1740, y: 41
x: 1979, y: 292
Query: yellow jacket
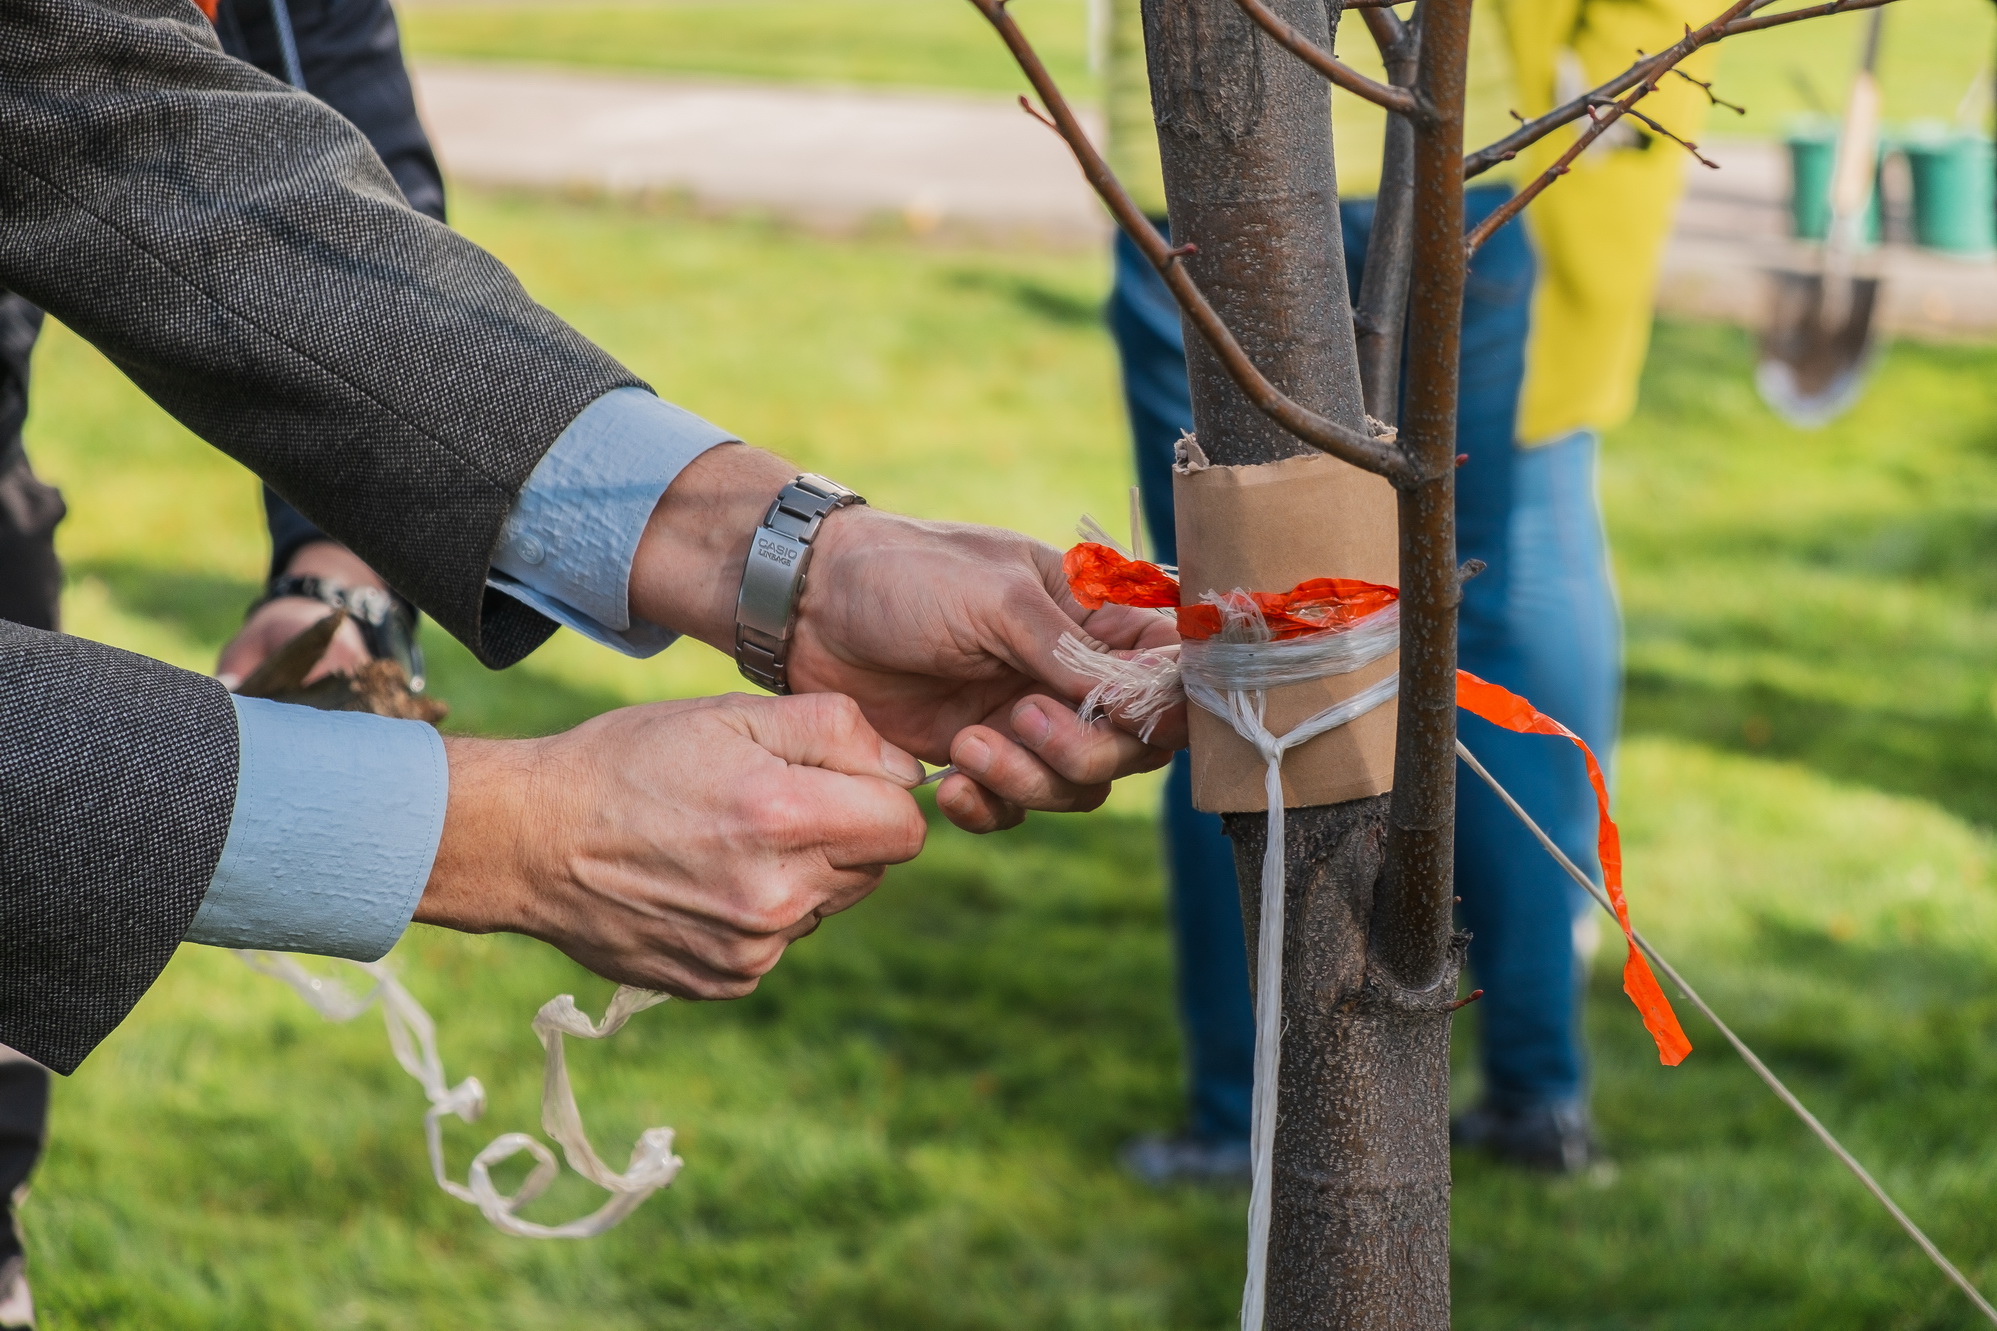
x: 1599, y: 232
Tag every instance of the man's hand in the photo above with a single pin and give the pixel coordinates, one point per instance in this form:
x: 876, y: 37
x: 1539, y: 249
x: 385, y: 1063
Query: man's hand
x: 677, y: 846
x: 274, y: 623
x: 944, y: 633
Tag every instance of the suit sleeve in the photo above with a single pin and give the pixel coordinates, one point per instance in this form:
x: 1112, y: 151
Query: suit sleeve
x: 117, y: 782
x: 240, y: 252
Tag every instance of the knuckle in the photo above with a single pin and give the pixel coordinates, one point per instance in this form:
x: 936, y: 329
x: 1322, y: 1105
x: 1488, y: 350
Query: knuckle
x: 771, y: 912
x: 777, y: 817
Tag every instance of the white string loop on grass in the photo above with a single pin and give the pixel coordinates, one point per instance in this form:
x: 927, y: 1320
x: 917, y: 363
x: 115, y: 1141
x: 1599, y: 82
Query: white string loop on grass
x: 1230, y: 676
x: 412, y: 1036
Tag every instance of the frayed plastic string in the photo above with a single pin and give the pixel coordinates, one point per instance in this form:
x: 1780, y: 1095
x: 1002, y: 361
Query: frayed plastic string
x: 412, y: 1035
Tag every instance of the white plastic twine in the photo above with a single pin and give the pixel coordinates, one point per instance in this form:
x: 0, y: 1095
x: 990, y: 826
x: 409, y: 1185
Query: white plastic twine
x: 1230, y: 676
x: 413, y: 1037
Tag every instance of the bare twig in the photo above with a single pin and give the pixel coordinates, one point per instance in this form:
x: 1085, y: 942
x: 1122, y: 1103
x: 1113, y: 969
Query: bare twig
x: 1402, y: 100
x: 1515, y: 205
x: 1734, y: 21
x: 1642, y: 75
x: 1383, y: 286
x: 1756, y: 24
x: 1372, y: 454
x: 1662, y: 132
x: 1712, y: 98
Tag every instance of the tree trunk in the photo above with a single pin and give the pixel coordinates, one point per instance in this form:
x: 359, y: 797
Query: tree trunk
x: 1361, y: 1228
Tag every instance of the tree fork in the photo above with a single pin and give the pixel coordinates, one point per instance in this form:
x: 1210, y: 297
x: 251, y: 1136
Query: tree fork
x: 1361, y: 1230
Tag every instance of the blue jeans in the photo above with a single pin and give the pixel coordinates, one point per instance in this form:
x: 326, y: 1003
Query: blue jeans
x: 1536, y: 1057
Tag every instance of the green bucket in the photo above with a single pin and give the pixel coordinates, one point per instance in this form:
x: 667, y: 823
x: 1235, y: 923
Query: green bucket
x: 1955, y: 192
x: 1813, y: 151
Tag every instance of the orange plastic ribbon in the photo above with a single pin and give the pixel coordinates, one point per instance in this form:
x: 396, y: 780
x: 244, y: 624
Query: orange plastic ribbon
x: 208, y: 8
x: 1099, y: 575
x: 1502, y: 707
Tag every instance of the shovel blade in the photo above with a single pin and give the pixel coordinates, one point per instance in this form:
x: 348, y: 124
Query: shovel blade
x: 1817, y: 350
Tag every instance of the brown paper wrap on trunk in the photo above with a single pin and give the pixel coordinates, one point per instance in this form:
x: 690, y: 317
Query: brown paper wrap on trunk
x: 1266, y: 529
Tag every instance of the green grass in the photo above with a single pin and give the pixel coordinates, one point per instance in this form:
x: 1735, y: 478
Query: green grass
x: 913, y: 1123
x: 907, y: 43
x: 1931, y: 49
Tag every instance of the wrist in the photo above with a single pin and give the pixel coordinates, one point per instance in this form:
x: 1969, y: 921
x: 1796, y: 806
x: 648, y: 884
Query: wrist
x: 687, y: 573
x: 332, y: 562
x: 500, y: 842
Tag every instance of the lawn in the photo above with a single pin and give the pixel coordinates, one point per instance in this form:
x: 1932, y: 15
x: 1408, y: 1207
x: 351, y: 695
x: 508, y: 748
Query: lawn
x: 913, y: 1124
x: 1931, y: 51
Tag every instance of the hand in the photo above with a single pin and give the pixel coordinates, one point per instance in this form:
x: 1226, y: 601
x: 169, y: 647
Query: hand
x: 944, y: 634
x: 676, y: 846
x: 274, y: 623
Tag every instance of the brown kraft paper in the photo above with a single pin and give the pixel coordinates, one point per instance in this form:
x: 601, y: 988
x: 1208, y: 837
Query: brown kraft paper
x: 1266, y: 529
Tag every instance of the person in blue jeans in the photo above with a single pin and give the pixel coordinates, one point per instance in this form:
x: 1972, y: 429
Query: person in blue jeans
x: 1540, y: 619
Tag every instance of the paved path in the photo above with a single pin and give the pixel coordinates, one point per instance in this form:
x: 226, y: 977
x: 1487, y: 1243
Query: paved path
x: 839, y: 156
x: 978, y: 162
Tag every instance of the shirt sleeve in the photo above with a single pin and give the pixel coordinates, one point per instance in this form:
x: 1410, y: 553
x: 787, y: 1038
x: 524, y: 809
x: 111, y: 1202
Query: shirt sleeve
x: 566, y: 548
x: 336, y: 824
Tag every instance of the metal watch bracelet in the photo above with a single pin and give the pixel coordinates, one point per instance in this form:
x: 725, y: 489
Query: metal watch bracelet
x: 773, y: 576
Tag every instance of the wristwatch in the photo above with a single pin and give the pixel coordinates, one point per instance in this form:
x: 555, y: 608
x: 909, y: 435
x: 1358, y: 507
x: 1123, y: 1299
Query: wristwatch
x: 387, y: 622
x: 773, y: 576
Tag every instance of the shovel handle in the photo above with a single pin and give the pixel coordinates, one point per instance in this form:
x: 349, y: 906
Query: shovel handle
x: 1853, y: 175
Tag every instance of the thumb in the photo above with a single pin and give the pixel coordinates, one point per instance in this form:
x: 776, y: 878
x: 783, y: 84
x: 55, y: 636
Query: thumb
x: 1032, y: 621
x: 827, y: 730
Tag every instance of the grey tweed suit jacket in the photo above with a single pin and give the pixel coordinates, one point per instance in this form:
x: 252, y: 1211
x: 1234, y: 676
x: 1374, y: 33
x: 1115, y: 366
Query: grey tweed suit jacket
x: 239, y: 251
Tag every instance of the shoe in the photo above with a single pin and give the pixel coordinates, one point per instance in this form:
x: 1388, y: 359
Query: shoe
x: 1164, y: 1161
x: 1554, y: 1136
x: 17, y: 1306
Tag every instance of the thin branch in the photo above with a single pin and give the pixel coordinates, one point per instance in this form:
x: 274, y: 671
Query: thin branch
x: 1377, y: 455
x: 1738, y: 26
x: 1401, y: 100
x: 1381, y: 309
x: 1392, y: 36
x: 1515, y: 205
x: 1734, y: 21
x: 1643, y: 74
x: 1662, y: 132
x: 1712, y: 98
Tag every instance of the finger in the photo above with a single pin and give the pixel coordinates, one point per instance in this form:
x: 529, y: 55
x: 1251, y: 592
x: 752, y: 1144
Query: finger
x: 1014, y: 775
x: 852, y: 822
x: 1087, y: 754
x: 826, y: 730
x: 970, y: 806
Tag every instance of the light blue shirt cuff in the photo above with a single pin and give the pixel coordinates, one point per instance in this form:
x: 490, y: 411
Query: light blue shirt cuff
x: 567, y: 547
x: 337, y: 820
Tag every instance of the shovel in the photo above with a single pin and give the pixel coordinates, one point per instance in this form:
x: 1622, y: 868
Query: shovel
x: 1819, y: 342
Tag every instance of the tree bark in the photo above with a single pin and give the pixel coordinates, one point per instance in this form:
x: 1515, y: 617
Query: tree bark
x: 1361, y: 1228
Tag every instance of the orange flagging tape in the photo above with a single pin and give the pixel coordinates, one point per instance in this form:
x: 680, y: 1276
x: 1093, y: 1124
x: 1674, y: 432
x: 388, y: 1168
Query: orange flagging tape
x: 208, y: 8
x: 1099, y: 575
x: 1502, y: 707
